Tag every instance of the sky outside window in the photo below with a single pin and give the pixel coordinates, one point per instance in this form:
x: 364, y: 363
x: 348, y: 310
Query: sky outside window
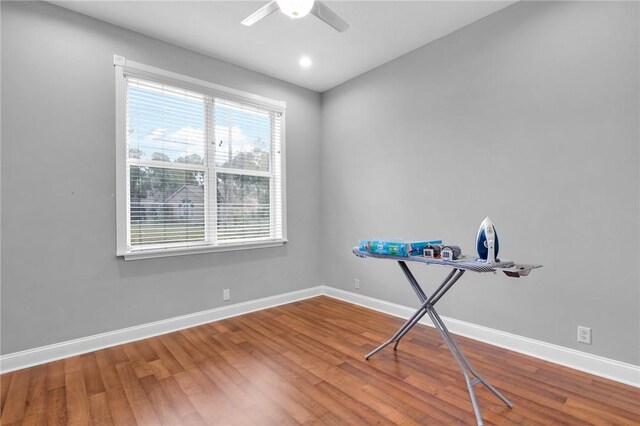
x: 167, y: 125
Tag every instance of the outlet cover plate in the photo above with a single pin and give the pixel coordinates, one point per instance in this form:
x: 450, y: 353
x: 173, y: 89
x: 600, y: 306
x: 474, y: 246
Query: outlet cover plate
x: 584, y: 335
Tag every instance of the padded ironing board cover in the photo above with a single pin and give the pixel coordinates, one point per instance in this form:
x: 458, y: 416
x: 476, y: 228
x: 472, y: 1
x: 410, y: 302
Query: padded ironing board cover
x: 465, y: 262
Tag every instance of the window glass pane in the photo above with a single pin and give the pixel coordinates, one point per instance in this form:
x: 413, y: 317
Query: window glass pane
x: 167, y: 205
x: 243, y: 207
x: 243, y: 137
x: 201, y: 170
x: 164, y: 123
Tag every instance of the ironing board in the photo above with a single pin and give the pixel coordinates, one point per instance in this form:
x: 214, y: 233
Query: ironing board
x: 459, y: 267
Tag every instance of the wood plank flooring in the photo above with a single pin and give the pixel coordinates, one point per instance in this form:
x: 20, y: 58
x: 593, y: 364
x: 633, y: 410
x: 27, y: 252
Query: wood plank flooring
x: 303, y: 363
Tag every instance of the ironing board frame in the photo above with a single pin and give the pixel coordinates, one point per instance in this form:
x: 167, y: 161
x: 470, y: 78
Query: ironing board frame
x: 427, y: 308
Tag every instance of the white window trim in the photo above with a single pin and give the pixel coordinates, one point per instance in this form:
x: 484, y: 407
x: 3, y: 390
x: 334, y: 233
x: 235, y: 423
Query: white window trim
x: 124, y: 67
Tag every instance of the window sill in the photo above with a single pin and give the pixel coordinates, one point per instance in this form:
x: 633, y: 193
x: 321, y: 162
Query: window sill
x: 183, y: 251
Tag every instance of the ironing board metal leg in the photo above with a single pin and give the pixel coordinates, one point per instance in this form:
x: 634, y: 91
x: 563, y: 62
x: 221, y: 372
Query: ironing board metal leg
x: 406, y: 330
x: 423, y: 298
x: 438, y: 294
x: 444, y: 287
x: 467, y: 363
x: 457, y: 357
x: 406, y: 326
x: 414, y: 283
x: 427, y: 308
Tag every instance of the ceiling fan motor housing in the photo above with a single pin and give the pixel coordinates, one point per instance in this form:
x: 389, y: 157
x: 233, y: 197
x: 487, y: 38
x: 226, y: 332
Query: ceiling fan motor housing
x: 295, y: 8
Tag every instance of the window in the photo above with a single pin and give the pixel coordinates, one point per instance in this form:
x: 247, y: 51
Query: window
x: 200, y: 167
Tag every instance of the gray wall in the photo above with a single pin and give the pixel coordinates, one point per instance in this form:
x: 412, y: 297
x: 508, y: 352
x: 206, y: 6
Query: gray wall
x: 529, y: 116
x: 60, y: 277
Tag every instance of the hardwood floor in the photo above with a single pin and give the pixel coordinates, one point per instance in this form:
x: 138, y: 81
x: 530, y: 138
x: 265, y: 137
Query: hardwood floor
x: 303, y: 363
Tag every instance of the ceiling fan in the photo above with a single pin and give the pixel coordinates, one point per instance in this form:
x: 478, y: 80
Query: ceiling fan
x: 297, y: 9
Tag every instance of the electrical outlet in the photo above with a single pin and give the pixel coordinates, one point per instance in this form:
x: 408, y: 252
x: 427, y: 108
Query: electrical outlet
x: 584, y: 335
x: 357, y: 283
x: 226, y: 294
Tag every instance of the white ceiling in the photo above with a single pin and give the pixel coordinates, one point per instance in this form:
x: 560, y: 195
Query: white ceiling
x: 380, y: 31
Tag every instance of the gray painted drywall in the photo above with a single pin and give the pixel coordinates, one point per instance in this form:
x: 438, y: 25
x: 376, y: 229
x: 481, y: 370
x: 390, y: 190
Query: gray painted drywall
x: 60, y: 277
x: 546, y: 93
x: 530, y: 116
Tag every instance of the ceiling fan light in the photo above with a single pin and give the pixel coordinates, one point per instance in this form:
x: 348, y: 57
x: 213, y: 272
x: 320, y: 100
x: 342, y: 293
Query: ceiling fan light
x: 305, y: 62
x: 295, y: 8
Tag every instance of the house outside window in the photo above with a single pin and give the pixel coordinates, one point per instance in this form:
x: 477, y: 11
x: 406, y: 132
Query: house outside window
x: 200, y: 166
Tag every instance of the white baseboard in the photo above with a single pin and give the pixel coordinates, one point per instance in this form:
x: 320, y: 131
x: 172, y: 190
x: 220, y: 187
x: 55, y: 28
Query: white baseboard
x: 604, y: 367
x: 44, y: 354
x: 593, y: 364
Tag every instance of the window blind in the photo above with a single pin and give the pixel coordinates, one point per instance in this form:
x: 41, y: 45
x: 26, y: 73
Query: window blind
x: 201, y: 169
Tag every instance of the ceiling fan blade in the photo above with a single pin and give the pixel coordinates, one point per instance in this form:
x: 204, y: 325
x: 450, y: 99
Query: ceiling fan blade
x: 322, y: 11
x: 261, y: 13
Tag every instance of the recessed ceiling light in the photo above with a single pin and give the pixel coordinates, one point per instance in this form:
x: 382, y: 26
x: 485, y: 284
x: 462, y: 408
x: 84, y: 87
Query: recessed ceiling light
x: 305, y: 62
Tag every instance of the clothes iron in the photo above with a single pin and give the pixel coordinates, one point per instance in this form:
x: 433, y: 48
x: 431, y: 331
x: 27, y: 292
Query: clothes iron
x: 487, y: 242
